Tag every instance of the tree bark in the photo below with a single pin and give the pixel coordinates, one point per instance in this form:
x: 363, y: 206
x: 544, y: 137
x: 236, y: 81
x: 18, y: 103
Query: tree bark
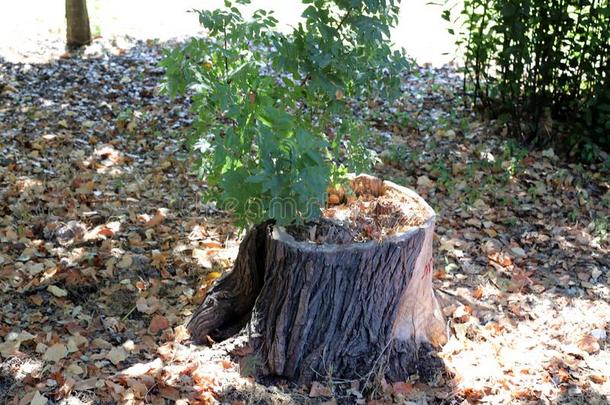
x: 341, y: 311
x: 78, y: 32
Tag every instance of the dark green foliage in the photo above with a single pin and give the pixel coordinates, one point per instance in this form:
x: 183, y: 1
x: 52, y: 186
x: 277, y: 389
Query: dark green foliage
x: 542, y: 66
x: 275, y: 121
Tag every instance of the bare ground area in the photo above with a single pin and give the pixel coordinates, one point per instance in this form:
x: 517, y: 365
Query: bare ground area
x: 106, y: 249
x: 34, y: 30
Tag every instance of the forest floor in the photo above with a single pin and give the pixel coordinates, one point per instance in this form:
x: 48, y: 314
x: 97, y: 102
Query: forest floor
x: 106, y: 248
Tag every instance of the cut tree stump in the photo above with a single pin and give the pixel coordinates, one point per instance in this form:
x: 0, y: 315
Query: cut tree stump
x: 341, y: 311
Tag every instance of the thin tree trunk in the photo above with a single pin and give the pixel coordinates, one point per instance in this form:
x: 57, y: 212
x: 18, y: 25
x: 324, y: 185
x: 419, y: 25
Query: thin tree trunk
x: 77, y: 19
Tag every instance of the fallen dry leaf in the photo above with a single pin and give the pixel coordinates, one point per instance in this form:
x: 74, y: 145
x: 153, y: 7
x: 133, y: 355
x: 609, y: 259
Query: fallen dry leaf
x: 501, y: 259
x: 462, y: 313
x: 159, y: 259
x: 518, y: 251
x: 424, y: 182
x: 126, y: 262
x: 170, y: 393
x: 166, y: 351
x: 39, y: 399
x: 139, y: 388
x: 181, y: 333
x: 210, y: 244
x: 116, y: 355
x: 158, y: 323
x: 77, y: 341
x: 588, y: 343
x: 55, y: 353
x: 105, y: 231
x: 478, y: 293
x: 148, y: 305
x: 333, y: 199
x: 158, y: 218
x: 56, y: 291
x: 319, y: 390
x: 598, y: 378
x: 140, y: 369
x: 9, y: 348
x: 75, y: 369
x: 201, y: 256
x: 213, y: 275
x: 87, y: 384
x: 402, y: 388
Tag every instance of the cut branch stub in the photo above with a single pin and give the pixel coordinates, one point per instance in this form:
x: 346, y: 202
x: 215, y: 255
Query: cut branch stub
x: 332, y: 310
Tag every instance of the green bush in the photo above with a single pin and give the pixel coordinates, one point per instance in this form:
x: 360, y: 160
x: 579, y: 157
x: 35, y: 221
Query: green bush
x: 276, y: 113
x: 542, y: 66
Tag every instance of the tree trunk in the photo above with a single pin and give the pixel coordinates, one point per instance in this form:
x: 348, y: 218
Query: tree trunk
x: 77, y: 19
x: 331, y: 310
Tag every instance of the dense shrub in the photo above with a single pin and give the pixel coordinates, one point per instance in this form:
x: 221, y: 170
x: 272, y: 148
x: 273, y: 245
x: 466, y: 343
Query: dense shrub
x: 276, y: 113
x: 542, y: 66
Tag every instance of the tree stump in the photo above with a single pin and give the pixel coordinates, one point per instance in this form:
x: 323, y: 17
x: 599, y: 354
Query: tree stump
x: 314, y: 311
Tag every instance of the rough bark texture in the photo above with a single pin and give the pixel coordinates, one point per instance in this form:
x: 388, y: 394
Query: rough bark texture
x: 322, y: 310
x: 78, y: 32
x: 227, y: 306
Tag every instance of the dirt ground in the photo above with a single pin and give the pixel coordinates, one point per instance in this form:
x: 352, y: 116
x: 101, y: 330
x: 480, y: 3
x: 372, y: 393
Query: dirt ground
x: 34, y: 30
x: 106, y: 248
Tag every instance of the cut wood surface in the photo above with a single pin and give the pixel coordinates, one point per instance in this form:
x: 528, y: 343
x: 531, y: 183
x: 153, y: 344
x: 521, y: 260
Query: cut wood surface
x: 320, y: 310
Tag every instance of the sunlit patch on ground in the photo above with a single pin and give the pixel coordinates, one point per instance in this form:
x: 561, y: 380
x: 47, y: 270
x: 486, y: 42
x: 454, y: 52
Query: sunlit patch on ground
x: 34, y: 31
x: 543, y: 347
